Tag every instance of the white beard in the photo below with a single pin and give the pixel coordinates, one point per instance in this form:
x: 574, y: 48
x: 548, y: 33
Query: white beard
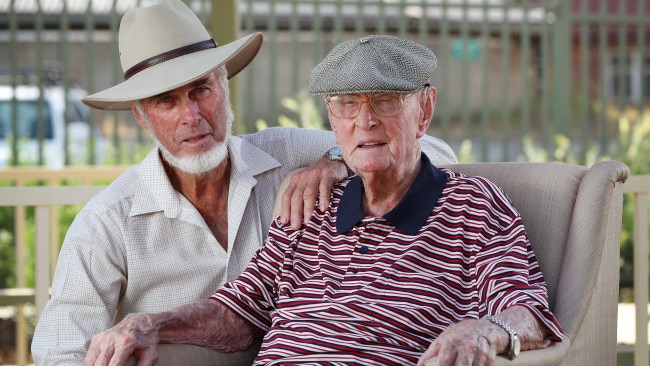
x: 200, y: 163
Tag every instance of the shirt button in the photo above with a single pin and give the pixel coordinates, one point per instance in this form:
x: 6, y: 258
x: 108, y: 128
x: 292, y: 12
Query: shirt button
x: 364, y: 249
x: 354, y: 270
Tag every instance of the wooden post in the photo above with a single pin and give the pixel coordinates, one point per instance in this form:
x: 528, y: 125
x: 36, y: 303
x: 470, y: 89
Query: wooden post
x: 224, y: 27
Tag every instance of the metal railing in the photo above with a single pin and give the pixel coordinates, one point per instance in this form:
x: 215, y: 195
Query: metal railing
x: 508, y: 70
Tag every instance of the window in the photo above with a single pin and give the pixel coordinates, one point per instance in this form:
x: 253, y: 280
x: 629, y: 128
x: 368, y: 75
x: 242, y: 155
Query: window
x: 628, y: 77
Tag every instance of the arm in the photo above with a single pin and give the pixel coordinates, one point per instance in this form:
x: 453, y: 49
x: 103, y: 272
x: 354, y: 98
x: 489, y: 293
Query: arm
x: 509, y: 283
x: 478, y: 341
x: 85, y: 293
x: 302, y: 152
x: 299, y: 197
x: 226, y: 322
x: 204, y: 323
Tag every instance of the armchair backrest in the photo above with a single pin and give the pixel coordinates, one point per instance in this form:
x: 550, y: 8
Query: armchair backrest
x: 573, y: 218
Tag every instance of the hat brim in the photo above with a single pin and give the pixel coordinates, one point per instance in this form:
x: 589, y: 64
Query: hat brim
x: 176, y: 72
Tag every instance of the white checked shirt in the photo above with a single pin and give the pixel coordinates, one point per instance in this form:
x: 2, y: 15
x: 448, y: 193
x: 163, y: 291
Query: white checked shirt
x: 140, y: 246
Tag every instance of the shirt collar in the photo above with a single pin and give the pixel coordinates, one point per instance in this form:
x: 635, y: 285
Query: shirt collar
x: 156, y: 193
x: 410, y: 213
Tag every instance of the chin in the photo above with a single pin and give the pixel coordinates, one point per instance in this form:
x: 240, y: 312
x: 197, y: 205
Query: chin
x: 198, y: 164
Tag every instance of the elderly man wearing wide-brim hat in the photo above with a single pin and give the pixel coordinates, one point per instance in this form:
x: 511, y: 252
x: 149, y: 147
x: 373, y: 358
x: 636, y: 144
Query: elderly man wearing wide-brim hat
x: 189, y: 216
x: 409, y: 263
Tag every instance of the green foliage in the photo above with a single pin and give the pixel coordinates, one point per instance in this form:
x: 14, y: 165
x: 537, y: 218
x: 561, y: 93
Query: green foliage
x: 7, y: 255
x: 465, y: 153
x: 127, y: 153
x: 634, y: 141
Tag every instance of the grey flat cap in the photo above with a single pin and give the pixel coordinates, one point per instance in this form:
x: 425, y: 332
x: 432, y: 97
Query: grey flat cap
x: 373, y: 64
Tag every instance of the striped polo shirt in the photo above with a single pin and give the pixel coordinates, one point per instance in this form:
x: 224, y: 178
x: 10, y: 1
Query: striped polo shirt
x: 348, y: 288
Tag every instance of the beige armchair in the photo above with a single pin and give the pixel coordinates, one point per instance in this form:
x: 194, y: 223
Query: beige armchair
x: 573, y: 218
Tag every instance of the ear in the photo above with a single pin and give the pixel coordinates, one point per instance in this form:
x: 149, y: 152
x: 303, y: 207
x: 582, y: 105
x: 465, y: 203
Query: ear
x: 428, y: 106
x: 137, y: 116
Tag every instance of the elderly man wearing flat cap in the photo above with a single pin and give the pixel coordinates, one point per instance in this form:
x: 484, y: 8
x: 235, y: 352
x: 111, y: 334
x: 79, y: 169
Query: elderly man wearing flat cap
x: 409, y: 264
x: 190, y: 216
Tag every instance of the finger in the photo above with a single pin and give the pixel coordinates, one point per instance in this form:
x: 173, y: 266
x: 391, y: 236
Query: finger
x: 105, y: 356
x: 285, y: 205
x: 304, y: 200
x: 147, y: 357
x: 429, y: 354
x: 324, y: 192
x: 485, y: 355
x: 297, y: 206
x: 91, y: 357
x: 308, y: 207
x: 446, y: 355
x: 121, y: 356
x: 431, y: 362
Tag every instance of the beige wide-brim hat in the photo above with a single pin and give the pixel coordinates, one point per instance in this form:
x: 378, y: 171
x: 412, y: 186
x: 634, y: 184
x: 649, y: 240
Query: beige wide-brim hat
x: 165, y: 46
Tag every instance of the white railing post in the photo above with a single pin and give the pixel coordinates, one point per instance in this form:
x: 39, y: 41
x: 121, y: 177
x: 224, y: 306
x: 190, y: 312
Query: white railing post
x: 641, y: 277
x: 639, y: 187
x: 42, y: 281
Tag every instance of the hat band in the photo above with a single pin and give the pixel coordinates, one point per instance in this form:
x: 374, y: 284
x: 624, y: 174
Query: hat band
x: 181, y: 51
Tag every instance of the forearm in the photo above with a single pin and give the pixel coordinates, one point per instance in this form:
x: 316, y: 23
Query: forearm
x: 532, y: 334
x: 205, y: 323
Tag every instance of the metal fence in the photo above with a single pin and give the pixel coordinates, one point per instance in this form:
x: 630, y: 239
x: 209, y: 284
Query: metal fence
x: 512, y: 75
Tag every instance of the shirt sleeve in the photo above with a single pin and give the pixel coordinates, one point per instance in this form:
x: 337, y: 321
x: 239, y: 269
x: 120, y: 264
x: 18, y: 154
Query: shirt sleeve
x: 507, y: 270
x: 438, y: 151
x: 85, y: 292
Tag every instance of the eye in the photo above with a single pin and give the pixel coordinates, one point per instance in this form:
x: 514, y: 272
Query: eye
x: 349, y: 100
x: 201, y: 92
x: 385, y: 98
x: 163, y: 101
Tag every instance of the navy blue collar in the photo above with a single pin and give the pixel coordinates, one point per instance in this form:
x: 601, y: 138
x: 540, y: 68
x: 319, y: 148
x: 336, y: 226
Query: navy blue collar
x: 410, y: 213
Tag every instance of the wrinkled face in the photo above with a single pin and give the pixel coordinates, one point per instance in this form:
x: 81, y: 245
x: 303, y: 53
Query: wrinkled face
x: 375, y: 143
x: 190, y: 124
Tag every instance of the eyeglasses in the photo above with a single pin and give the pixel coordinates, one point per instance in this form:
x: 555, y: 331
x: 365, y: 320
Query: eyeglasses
x: 384, y: 105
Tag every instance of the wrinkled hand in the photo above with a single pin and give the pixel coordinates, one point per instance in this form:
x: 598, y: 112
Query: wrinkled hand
x: 470, y: 342
x: 135, y: 335
x: 305, y: 186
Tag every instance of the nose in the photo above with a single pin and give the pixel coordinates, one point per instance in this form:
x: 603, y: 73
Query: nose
x: 365, y: 117
x: 190, y: 112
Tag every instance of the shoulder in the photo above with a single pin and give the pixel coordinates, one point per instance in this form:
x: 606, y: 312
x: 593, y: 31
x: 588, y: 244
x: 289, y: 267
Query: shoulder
x: 288, y: 135
x: 477, y: 190
x: 438, y: 151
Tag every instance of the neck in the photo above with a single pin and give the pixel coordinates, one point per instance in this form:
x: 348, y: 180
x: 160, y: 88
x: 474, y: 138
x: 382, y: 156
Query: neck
x: 383, y: 192
x: 208, y: 192
x: 195, y: 186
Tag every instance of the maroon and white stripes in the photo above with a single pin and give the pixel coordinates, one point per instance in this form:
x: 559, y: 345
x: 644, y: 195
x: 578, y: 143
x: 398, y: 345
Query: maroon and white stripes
x: 376, y: 295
